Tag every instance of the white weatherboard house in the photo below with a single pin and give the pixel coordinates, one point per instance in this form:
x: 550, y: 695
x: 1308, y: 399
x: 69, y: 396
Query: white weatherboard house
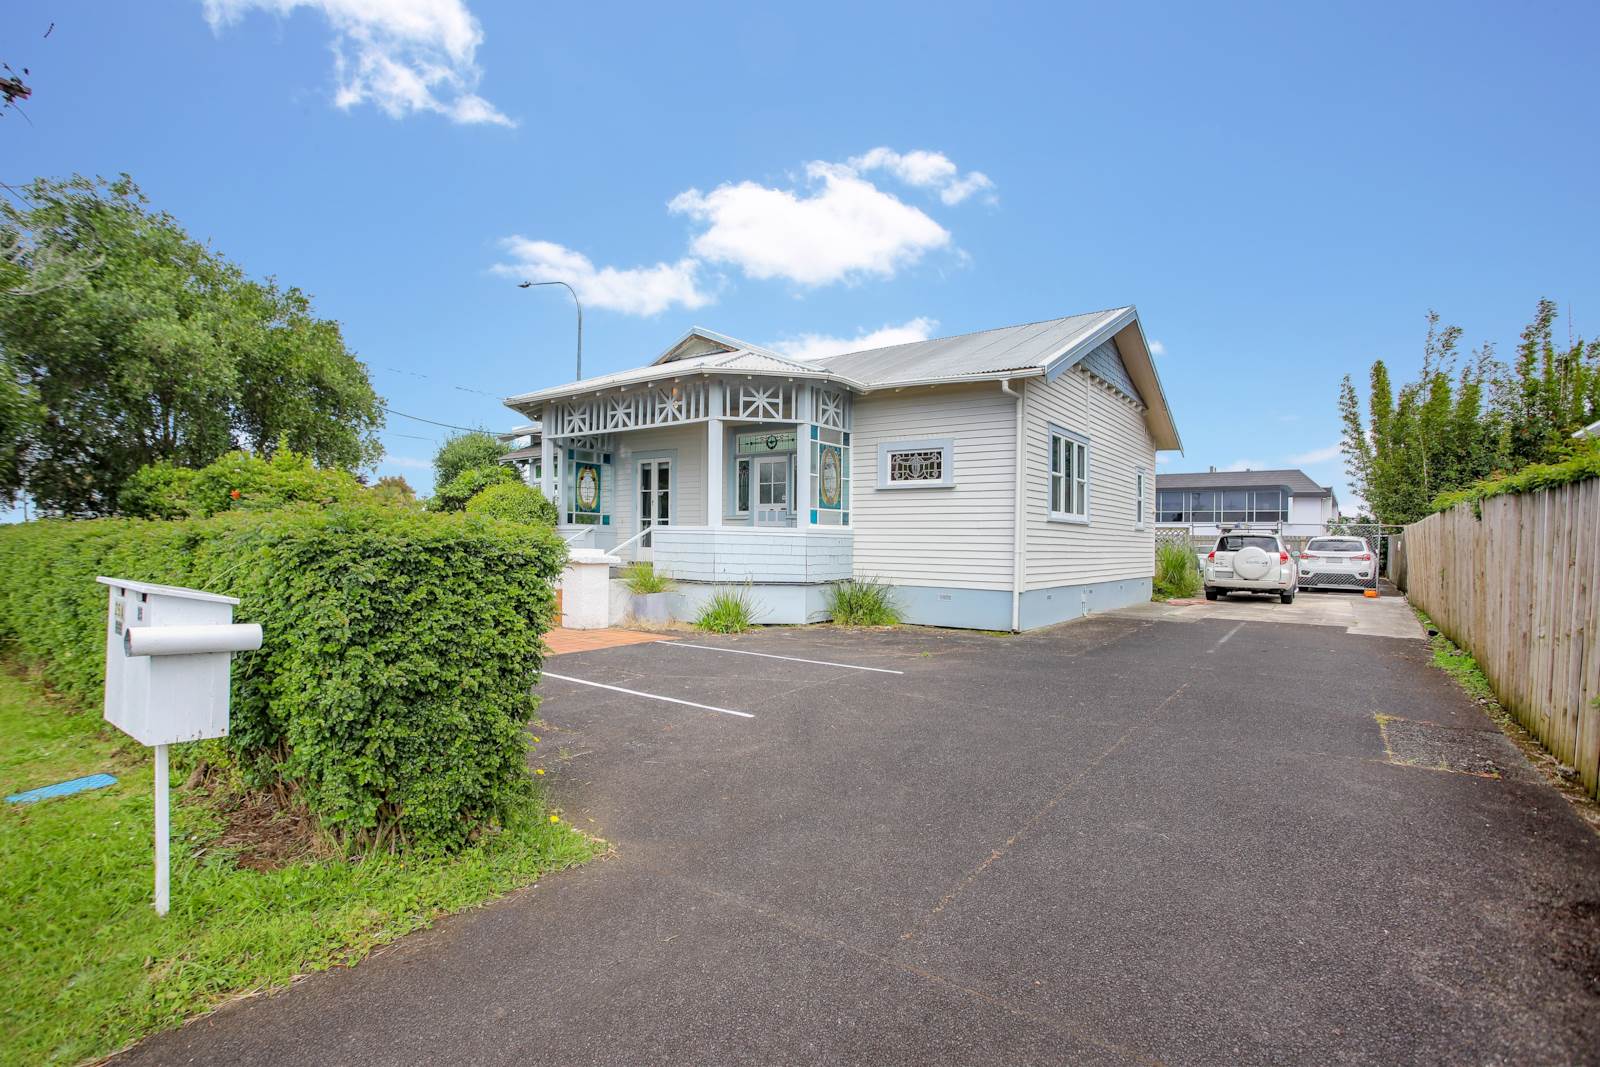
x: 998, y: 480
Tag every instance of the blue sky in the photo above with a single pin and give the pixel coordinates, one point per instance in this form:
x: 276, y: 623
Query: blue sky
x: 1283, y: 190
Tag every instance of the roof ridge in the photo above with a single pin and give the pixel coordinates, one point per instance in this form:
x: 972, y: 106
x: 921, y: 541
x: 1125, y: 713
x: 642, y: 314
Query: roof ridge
x: 975, y: 333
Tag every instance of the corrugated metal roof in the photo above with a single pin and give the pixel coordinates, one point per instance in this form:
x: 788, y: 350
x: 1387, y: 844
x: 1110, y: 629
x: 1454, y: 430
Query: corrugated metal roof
x: 730, y: 362
x: 988, y: 352
x: 1296, y: 481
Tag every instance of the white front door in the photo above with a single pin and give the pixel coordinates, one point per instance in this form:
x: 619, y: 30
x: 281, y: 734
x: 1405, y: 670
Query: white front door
x: 655, y: 500
x: 772, y: 491
x: 655, y: 492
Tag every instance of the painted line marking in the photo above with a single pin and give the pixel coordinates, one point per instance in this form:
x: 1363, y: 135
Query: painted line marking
x: 1225, y: 637
x: 647, y: 696
x: 769, y: 655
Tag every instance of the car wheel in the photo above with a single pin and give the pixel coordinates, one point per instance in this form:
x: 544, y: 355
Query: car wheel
x: 1211, y: 594
x: 1287, y: 598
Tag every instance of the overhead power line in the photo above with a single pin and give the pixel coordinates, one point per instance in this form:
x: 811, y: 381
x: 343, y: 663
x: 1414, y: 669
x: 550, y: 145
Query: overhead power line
x: 433, y: 422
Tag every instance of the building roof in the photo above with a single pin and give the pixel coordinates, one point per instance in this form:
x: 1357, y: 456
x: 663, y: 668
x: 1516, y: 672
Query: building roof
x: 1296, y: 481
x: 1033, y: 345
x: 1033, y: 349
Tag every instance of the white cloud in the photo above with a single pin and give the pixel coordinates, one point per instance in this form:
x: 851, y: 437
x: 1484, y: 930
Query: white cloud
x: 925, y: 169
x: 410, y: 463
x: 404, y: 56
x: 1157, y: 348
x: 834, y: 225
x: 1317, y: 455
x: 633, y: 291
x: 1164, y: 458
x: 809, y: 346
x: 842, y: 228
x: 1245, y: 465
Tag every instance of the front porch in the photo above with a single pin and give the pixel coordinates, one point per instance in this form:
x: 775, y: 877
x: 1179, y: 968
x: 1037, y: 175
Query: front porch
x: 710, y: 480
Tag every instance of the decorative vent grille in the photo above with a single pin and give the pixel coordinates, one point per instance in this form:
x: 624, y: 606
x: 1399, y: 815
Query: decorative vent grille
x: 923, y: 465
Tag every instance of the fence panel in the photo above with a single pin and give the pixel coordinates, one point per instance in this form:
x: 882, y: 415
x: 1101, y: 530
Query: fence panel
x: 1520, y: 589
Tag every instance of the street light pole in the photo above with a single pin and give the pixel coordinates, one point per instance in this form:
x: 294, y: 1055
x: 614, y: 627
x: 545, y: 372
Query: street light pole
x: 575, y: 300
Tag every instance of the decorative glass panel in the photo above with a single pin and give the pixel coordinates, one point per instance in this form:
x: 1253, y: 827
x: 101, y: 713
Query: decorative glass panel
x: 923, y: 465
x: 741, y: 494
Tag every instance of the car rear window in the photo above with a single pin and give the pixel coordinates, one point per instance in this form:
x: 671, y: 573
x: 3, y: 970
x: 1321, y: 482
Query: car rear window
x: 1335, y: 544
x: 1234, y: 542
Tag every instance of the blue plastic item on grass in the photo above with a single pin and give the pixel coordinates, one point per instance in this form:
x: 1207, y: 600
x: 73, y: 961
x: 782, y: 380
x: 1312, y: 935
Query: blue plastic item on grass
x: 62, y: 789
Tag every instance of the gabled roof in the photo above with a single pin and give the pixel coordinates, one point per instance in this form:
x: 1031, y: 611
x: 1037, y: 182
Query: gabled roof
x: 1044, y: 348
x: 984, y: 354
x: 1296, y: 481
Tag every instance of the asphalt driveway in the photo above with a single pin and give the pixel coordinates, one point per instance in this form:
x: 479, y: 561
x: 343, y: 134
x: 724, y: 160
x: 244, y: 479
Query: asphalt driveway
x: 1130, y: 839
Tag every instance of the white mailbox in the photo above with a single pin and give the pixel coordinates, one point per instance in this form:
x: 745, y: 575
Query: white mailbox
x: 168, y: 652
x: 167, y: 659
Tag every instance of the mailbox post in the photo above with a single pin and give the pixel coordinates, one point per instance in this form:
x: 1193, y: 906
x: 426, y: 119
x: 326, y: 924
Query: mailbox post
x: 168, y: 652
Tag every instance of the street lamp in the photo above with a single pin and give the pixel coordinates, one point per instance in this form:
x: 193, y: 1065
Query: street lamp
x: 575, y: 300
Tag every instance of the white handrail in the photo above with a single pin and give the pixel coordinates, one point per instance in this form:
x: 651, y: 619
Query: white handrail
x: 616, y: 550
x: 580, y: 535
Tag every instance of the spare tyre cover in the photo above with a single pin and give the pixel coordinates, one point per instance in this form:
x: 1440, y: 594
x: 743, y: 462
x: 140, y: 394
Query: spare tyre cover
x: 1251, y: 563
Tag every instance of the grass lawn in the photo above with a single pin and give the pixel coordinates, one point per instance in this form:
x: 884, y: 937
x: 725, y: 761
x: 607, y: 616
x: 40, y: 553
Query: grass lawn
x: 89, y: 965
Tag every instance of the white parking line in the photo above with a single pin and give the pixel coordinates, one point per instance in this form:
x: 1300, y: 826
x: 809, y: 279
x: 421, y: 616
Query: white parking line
x: 648, y: 696
x: 769, y: 655
x: 1225, y: 637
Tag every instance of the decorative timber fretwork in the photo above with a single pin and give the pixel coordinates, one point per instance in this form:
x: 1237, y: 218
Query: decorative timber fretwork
x: 761, y: 400
x: 640, y: 409
x: 830, y: 407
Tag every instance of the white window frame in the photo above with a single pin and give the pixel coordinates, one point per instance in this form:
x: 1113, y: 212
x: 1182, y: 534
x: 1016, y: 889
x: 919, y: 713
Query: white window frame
x: 1140, y: 487
x: 1059, y: 437
x: 947, y: 463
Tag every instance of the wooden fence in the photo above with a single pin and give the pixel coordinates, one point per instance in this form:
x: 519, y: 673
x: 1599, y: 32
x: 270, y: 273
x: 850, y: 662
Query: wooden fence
x: 1520, y: 589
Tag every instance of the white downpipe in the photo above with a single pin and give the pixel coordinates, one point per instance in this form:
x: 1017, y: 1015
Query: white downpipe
x: 1017, y: 546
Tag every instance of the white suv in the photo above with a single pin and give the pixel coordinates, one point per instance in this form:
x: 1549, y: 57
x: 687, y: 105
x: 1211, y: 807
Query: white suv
x: 1337, y: 562
x: 1250, y: 562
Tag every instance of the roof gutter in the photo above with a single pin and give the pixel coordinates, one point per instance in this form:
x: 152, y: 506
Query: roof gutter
x: 1017, y: 546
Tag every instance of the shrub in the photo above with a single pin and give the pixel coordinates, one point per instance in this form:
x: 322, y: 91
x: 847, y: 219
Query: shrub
x: 1177, y: 572
x: 1583, y: 464
x: 393, y: 686
x: 641, y: 579
x: 158, y: 491
x: 863, y: 602
x: 464, y: 452
x: 729, y: 611
x: 454, y: 494
x: 392, y: 490
x: 514, y: 502
x: 236, y: 481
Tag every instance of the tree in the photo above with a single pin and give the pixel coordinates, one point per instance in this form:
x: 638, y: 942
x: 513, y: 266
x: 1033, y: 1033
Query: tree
x: 139, y: 345
x: 464, y: 452
x: 1450, y: 428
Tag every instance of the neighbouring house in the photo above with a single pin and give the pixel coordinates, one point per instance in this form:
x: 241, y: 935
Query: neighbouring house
x: 1207, y: 500
x: 996, y: 480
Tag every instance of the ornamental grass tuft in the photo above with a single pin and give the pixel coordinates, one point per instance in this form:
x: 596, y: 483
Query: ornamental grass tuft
x: 863, y: 602
x: 729, y: 611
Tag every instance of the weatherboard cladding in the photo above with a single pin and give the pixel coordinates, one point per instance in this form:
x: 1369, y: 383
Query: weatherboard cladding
x: 1296, y: 481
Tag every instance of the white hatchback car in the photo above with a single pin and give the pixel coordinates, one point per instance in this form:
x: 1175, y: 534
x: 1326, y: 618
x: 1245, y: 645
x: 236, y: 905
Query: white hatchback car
x: 1336, y: 563
x: 1251, y: 562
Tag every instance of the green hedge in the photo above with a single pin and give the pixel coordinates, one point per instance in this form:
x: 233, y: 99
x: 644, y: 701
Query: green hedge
x: 1585, y: 464
x: 400, y: 651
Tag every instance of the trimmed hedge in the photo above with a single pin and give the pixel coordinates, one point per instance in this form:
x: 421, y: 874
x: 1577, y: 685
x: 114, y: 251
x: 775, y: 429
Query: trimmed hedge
x: 1583, y: 465
x: 514, y: 502
x: 394, y: 684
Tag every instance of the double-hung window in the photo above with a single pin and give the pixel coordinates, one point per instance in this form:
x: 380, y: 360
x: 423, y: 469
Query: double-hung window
x: 1069, y: 476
